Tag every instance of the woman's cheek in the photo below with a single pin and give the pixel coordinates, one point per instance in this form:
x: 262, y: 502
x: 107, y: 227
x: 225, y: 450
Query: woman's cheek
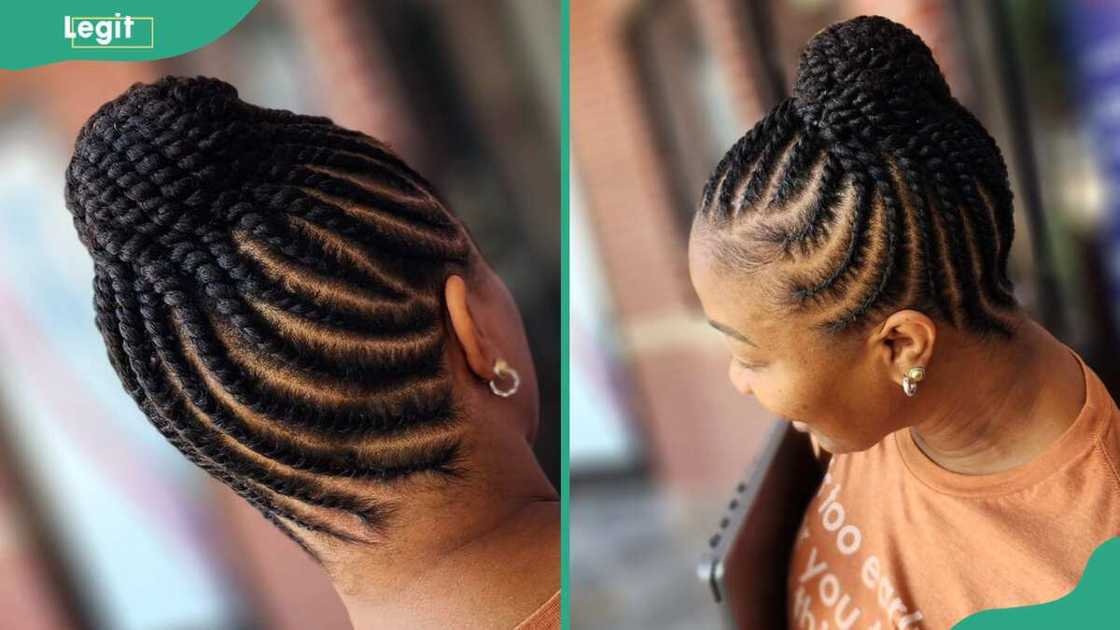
x: 785, y: 397
x: 740, y: 378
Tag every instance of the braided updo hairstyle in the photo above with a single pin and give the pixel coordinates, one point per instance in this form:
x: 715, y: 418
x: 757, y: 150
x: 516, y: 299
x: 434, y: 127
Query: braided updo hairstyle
x: 269, y: 288
x: 871, y: 189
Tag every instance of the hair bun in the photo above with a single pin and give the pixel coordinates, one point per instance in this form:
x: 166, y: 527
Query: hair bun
x: 866, y: 71
x: 165, y: 160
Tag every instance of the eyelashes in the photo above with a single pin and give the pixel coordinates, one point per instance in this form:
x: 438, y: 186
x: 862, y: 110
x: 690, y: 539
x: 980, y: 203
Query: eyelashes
x: 748, y: 365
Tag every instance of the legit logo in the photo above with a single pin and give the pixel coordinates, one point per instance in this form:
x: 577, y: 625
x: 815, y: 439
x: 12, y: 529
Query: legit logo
x: 110, y: 32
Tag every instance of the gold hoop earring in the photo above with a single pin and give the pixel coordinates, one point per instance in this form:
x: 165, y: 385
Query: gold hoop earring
x: 503, y: 370
x: 910, y: 382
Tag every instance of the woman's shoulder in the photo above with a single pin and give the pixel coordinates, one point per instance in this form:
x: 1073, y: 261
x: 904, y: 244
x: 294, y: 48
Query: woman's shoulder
x: 547, y: 617
x: 1105, y: 425
x: 1108, y: 439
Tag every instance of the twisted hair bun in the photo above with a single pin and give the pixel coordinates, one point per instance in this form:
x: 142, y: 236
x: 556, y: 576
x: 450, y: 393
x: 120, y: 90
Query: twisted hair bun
x: 867, y: 71
x: 154, y: 159
x: 184, y: 155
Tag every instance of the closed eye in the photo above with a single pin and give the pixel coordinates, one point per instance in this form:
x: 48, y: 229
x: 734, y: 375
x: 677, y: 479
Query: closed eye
x: 748, y: 365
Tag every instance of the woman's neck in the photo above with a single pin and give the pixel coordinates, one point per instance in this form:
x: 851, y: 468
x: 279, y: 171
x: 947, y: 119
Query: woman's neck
x: 486, y: 557
x: 997, y: 407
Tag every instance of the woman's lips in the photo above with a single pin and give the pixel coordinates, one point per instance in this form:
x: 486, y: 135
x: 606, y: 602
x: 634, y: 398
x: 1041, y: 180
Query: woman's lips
x: 800, y: 426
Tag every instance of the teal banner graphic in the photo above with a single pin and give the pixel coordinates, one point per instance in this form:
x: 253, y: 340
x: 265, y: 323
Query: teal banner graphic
x: 1089, y: 605
x: 48, y: 32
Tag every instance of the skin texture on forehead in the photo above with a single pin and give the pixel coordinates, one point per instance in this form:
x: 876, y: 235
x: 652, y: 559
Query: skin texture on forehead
x: 754, y: 303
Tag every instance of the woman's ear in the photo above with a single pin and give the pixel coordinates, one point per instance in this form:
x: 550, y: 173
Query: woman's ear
x: 905, y: 340
x: 477, y: 348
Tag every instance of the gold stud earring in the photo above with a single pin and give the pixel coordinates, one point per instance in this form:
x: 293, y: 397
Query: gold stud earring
x: 910, y: 381
x: 503, y: 370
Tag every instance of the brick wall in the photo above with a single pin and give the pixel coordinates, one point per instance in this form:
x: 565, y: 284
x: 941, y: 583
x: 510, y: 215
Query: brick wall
x: 701, y: 435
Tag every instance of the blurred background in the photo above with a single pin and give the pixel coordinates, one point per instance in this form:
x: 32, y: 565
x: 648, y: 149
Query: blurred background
x: 660, y: 89
x: 102, y: 524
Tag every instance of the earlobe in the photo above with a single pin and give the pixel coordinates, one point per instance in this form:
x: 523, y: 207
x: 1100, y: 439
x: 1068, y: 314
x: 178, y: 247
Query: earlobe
x: 476, y: 347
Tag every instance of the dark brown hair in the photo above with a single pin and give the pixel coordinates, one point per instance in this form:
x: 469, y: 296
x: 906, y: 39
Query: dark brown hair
x: 269, y: 288
x: 870, y: 189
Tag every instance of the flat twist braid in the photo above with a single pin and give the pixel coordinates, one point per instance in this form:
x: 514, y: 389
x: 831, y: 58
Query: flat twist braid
x: 268, y: 286
x: 871, y: 188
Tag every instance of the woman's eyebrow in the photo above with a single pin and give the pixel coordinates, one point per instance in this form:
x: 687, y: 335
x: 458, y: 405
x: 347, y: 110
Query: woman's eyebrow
x: 727, y: 330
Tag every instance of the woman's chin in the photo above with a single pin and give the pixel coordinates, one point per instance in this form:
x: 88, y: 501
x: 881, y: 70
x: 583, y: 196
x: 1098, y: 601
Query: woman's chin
x: 841, y: 447
x: 827, y: 443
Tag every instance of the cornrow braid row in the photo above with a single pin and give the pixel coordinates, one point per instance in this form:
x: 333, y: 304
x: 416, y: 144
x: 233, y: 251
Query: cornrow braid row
x: 872, y: 188
x: 268, y: 286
